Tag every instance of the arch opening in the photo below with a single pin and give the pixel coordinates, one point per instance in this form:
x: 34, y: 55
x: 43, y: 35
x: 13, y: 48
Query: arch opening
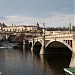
x: 37, y: 47
x: 30, y: 45
x: 58, y: 48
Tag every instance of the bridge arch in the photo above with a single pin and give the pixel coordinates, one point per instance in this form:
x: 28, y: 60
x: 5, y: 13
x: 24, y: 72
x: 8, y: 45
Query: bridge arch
x: 59, y: 46
x: 37, y: 46
x: 37, y: 43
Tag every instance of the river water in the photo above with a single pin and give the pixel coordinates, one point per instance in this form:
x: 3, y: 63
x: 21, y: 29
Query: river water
x: 19, y: 62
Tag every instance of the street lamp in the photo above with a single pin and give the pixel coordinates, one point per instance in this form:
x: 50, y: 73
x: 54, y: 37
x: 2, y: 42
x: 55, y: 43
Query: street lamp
x: 70, y: 27
x: 44, y: 37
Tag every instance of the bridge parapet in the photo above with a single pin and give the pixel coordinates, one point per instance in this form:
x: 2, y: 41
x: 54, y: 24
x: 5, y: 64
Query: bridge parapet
x: 56, y: 36
x: 60, y: 35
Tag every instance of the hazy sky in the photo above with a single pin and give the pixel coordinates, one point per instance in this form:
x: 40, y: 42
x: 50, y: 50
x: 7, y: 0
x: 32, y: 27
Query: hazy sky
x: 28, y: 12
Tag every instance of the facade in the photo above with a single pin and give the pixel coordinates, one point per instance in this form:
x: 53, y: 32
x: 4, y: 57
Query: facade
x: 31, y: 28
x: 14, y: 28
x: 20, y: 28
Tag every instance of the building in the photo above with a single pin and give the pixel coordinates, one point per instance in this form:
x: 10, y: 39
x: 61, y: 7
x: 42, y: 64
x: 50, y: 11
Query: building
x: 2, y: 26
x: 20, y: 28
x: 31, y: 28
x: 14, y: 28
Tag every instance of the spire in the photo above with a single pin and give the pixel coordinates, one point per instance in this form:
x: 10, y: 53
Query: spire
x: 12, y: 24
x: 37, y: 25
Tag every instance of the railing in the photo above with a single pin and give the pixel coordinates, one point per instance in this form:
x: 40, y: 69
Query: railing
x: 69, y: 35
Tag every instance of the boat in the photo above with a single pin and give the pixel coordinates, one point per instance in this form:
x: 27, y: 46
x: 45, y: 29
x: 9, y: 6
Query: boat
x: 5, y: 47
x: 70, y: 71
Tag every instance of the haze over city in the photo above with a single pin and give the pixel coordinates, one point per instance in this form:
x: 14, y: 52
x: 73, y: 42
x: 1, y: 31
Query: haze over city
x: 53, y: 13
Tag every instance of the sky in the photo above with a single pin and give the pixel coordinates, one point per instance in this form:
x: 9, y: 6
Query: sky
x: 54, y: 13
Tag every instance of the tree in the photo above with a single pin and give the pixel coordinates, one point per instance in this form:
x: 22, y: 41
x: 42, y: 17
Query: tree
x: 73, y: 28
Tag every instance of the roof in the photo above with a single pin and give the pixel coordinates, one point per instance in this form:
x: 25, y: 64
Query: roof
x: 2, y: 25
x: 22, y: 26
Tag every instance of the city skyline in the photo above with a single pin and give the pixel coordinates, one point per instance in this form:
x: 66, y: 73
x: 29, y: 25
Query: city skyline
x: 53, y: 13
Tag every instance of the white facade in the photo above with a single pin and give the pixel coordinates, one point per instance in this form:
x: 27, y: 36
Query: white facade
x: 29, y: 28
x: 19, y: 28
x: 14, y: 28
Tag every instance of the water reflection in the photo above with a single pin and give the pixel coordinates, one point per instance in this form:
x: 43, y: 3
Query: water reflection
x: 53, y: 64
x: 19, y: 62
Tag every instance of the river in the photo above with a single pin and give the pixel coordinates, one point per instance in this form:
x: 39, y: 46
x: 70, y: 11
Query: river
x: 19, y: 62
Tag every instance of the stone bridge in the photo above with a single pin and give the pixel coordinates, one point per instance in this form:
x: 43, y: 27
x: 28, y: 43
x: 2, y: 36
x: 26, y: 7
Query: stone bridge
x: 54, y: 41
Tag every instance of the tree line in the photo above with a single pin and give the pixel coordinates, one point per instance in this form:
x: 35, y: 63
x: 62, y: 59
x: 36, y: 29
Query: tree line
x: 58, y: 28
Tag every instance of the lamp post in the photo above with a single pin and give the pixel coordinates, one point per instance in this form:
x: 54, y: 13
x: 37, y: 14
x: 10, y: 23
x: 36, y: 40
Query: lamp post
x: 70, y: 27
x: 43, y: 38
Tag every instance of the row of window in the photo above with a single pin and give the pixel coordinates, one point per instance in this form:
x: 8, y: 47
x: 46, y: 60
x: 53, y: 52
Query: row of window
x: 14, y: 29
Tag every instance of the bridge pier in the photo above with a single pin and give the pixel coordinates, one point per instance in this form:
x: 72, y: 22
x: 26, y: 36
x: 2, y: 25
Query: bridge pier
x: 32, y: 48
x: 42, y: 51
x: 72, y: 63
x: 73, y: 43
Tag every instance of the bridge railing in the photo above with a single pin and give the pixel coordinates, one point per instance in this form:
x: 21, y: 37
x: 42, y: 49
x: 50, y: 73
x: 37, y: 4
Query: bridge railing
x: 61, y: 35
x: 68, y: 35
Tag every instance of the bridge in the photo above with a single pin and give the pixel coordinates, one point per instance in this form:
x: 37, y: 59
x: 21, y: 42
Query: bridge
x: 53, y: 41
